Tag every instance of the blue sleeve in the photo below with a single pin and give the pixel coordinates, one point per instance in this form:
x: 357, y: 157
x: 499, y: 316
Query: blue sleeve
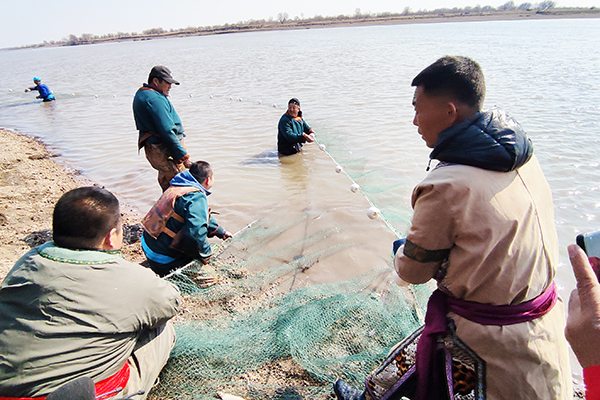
x: 196, y: 222
x: 44, y: 90
x: 214, y: 229
x: 305, y: 126
x: 162, y: 114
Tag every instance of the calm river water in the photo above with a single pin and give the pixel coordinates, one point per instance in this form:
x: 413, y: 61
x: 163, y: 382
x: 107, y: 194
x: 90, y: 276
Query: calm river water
x: 354, y: 86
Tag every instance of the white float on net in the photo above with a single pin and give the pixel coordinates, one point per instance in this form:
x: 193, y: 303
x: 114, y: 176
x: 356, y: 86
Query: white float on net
x: 354, y: 187
x: 373, y: 212
x: 338, y: 168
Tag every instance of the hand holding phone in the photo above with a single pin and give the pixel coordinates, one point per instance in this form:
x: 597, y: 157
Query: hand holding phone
x: 583, y: 321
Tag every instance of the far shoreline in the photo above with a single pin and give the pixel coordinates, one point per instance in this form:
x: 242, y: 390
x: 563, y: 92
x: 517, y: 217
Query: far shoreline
x: 332, y: 22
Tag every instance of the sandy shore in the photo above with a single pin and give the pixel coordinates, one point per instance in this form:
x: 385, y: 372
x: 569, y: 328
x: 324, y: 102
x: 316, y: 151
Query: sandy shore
x: 31, y: 182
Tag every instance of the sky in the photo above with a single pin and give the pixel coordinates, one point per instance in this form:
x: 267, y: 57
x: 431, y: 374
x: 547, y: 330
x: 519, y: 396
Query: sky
x: 25, y: 22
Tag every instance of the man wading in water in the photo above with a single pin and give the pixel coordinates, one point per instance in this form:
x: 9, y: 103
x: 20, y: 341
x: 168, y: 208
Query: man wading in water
x: 161, y: 131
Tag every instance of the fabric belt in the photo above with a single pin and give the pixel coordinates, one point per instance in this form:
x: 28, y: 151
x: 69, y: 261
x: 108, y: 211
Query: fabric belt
x: 104, y: 389
x: 145, y: 136
x: 440, y: 304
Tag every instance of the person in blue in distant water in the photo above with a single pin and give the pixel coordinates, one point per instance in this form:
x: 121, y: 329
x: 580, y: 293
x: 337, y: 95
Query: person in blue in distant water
x: 45, y: 92
x: 177, y: 227
x: 293, y: 131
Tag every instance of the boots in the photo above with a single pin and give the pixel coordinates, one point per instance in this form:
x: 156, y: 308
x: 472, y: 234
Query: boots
x: 343, y: 391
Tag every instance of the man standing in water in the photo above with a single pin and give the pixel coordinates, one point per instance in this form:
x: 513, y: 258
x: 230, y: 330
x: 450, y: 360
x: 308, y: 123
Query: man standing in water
x: 45, y: 92
x: 161, y: 132
x: 293, y: 131
x: 483, y: 228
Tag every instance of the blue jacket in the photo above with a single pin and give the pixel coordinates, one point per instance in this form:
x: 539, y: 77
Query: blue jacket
x: 289, y: 135
x: 45, y: 92
x: 197, y: 227
x: 491, y: 140
x: 154, y: 112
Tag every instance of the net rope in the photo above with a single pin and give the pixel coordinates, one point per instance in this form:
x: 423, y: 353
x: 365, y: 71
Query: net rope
x: 257, y: 334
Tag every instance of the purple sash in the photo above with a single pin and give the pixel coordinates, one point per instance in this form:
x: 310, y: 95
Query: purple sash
x: 430, y: 384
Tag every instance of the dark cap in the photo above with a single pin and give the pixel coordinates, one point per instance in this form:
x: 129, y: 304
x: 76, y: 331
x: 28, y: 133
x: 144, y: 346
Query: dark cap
x: 294, y: 100
x: 163, y: 73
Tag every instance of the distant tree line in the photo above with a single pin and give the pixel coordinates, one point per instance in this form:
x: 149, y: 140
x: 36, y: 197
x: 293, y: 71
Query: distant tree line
x: 283, y: 20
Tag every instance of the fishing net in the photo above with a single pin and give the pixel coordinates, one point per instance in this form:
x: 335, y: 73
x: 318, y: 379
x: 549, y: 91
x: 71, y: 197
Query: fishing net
x: 259, y: 334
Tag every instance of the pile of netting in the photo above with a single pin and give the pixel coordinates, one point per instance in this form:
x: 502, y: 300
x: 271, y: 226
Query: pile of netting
x: 257, y: 336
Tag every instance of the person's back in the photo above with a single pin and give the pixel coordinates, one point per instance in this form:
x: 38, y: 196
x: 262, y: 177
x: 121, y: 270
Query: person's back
x: 79, y: 309
x: 504, y: 252
x: 147, y: 102
x: 483, y: 227
x: 65, y: 312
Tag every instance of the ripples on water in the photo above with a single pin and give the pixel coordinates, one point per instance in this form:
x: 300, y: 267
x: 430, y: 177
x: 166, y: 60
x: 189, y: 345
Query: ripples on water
x: 354, y: 86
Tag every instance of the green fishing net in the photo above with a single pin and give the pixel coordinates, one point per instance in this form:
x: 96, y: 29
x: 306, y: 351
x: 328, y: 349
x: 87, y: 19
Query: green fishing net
x: 259, y: 335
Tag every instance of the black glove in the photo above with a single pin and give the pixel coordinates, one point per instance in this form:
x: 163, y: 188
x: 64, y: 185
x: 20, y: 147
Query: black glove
x: 397, y: 244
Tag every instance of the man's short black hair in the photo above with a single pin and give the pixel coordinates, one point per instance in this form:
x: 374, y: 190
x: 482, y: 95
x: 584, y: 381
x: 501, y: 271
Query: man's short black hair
x: 151, y: 78
x: 201, y: 170
x: 83, y: 216
x: 455, y: 76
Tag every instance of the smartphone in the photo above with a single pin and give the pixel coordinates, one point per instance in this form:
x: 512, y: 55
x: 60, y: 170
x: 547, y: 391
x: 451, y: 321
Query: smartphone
x: 590, y: 243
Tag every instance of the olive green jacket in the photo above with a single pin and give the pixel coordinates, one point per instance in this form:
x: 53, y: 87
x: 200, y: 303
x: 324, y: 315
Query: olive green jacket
x: 67, y: 313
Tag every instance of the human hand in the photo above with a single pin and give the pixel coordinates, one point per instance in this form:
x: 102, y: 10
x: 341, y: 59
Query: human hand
x: 187, y: 163
x: 309, y: 138
x: 227, y: 235
x: 583, y: 321
x: 595, y: 263
x: 27, y: 90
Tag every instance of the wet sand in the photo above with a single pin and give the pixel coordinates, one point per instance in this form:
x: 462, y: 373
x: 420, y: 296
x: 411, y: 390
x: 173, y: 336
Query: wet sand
x: 31, y: 182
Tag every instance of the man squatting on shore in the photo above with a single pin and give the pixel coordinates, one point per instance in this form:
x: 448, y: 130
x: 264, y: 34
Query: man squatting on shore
x: 160, y: 129
x: 177, y: 227
x: 483, y: 228
x: 74, y: 308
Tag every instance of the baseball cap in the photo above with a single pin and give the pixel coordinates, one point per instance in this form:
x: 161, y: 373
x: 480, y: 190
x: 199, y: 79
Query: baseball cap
x: 162, y: 72
x: 294, y: 101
